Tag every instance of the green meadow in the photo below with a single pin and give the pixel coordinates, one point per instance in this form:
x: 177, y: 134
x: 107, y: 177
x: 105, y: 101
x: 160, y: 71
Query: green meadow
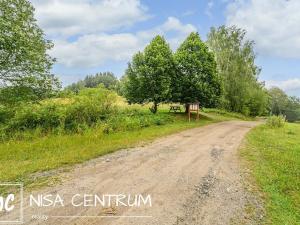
x: 274, y: 159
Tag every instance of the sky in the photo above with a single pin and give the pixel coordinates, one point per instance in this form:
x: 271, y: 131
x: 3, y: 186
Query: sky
x: 93, y: 36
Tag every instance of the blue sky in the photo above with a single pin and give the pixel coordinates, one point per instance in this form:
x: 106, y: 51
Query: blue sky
x: 101, y: 35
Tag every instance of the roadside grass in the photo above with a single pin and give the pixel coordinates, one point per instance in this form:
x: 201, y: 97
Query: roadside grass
x: 273, y: 156
x: 21, y: 159
x: 227, y: 114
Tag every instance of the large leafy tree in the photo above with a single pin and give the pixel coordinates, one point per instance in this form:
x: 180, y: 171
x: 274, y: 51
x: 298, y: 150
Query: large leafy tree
x: 24, y: 62
x: 133, y: 80
x: 196, y: 78
x: 236, y: 65
x: 149, y: 74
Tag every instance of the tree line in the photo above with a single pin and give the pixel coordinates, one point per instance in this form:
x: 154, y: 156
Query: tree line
x: 108, y: 79
x: 220, y: 72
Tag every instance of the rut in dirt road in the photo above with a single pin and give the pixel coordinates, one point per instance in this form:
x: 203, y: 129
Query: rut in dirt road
x: 193, y: 177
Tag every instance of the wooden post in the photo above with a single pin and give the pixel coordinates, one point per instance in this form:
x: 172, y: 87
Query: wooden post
x: 193, y: 107
x: 189, y: 113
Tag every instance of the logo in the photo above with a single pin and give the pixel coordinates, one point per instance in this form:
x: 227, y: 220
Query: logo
x: 11, y: 203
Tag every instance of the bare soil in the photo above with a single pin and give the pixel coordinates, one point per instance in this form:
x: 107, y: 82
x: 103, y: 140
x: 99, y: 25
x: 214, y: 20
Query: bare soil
x: 193, y: 177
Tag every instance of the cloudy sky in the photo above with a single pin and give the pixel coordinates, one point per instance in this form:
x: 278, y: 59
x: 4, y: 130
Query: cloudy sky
x: 101, y: 35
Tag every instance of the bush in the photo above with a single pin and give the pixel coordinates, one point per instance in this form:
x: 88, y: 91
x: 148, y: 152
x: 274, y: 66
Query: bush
x: 276, y: 121
x: 75, y: 114
x: 5, y: 114
x: 44, y: 116
x: 90, y: 108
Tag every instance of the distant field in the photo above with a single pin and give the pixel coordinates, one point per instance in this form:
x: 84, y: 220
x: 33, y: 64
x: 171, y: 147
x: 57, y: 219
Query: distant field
x: 38, y: 154
x: 274, y: 159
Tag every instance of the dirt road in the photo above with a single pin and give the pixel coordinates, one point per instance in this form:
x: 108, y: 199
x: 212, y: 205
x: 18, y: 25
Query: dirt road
x: 193, y: 177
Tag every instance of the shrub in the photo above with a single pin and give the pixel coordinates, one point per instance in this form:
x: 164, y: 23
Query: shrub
x: 90, y: 108
x: 276, y: 121
x: 47, y: 116
x: 5, y: 114
x: 75, y: 115
x: 26, y: 117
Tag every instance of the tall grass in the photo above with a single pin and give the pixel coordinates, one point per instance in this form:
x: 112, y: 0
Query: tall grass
x: 276, y: 121
x: 93, y: 107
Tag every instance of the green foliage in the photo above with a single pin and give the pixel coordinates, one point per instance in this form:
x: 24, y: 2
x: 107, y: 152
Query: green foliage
x: 135, y: 121
x: 149, y: 74
x: 85, y: 110
x: 133, y: 80
x: 155, y: 75
x: 5, y: 114
x: 89, y: 107
x: 258, y: 102
x: 108, y: 79
x: 282, y: 104
x: 279, y: 100
x: 236, y: 65
x: 24, y: 62
x: 32, y: 116
x: 196, y: 78
x: 276, y: 121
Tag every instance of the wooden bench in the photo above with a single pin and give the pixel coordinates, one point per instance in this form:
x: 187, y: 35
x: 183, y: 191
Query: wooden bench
x: 175, y: 108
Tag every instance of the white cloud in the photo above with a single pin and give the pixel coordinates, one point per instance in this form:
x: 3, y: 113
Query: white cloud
x: 286, y: 85
x: 85, y: 32
x: 172, y: 25
x: 73, y: 17
x: 273, y: 25
x: 209, y: 7
x: 92, y: 50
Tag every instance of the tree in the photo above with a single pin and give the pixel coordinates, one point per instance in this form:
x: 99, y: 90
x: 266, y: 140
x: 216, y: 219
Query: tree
x: 120, y: 87
x: 279, y: 101
x: 108, y: 79
x: 24, y: 62
x: 235, y: 59
x: 282, y: 104
x: 258, y: 101
x: 133, y: 80
x: 149, y: 74
x: 196, y: 78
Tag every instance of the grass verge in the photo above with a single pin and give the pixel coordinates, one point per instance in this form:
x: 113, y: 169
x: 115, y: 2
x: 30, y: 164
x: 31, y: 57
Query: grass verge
x: 273, y: 156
